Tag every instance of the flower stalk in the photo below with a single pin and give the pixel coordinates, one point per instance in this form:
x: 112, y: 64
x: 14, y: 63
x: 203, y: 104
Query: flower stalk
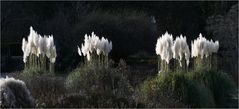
x: 35, y: 50
x: 95, y: 50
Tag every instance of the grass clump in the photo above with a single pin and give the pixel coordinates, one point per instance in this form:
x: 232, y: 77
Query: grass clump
x: 101, y: 86
x: 220, y: 83
x: 14, y: 94
x: 200, y: 88
x: 175, y: 90
x: 45, y: 89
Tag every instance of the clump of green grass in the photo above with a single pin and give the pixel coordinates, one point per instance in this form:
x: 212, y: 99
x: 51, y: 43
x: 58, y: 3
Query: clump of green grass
x: 45, y: 88
x: 103, y: 86
x: 199, y: 88
x: 220, y: 84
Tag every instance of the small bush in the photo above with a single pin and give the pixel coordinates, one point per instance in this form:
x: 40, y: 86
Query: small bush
x: 156, y: 92
x: 33, y: 71
x: 14, y: 94
x: 72, y: 101
x: 191, y: 92
x: 91, y: 101
x: 101, y: 86
x: 199, y: 88
x: 45, y: 89
x: 175, y: 89
x: 220, y: 83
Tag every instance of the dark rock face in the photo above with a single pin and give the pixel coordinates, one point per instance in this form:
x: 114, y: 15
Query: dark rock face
x: 225, y: 29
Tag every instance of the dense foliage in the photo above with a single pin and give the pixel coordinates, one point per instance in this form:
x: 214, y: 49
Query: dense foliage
x: 101, y: 86
x: 14, y: 94
x: 92, y: 80
x: 45, y: 89
x: 199, y: 88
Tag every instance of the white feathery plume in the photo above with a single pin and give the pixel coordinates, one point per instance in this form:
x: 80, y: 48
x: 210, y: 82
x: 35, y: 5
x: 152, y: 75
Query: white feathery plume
x: 215, y: 47
x: 28, y: 49
x: 24, y: 43
x: 38, y: 45
x: 33, y: 40
x: 24, y: 49
x: 79, y: 50
x: 53, y: 55
x: 181, y: 49
x: 159, y: 46
x: 88, y: 56
x: 83, y: 49
x: 49, y: 44
x: 93, y: 43
x: 94, y: 39
x: 99, y: 47
x: 203, y: 47
x: 87, y: 43
x: 108, y: 48
x: 164, y: 47
x: 42, y: 45
x: 51, y: 49
x: 104, y: 49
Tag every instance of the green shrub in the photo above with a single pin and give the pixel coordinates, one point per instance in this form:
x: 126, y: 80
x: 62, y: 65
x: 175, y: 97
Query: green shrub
x: 45, y: 89
x: 198, y: 88
x: 72, y: 101
x: 176, y: 89
x: 34, y: 71
x: 191, y: 92
x: 14, y: 94
x: 94, y: 100
x: 220, y: 83
x: 101, y: 86
x: 156, y: 92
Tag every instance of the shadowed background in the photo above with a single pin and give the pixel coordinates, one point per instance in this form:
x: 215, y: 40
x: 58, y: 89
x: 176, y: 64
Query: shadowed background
x: 133, y: 28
